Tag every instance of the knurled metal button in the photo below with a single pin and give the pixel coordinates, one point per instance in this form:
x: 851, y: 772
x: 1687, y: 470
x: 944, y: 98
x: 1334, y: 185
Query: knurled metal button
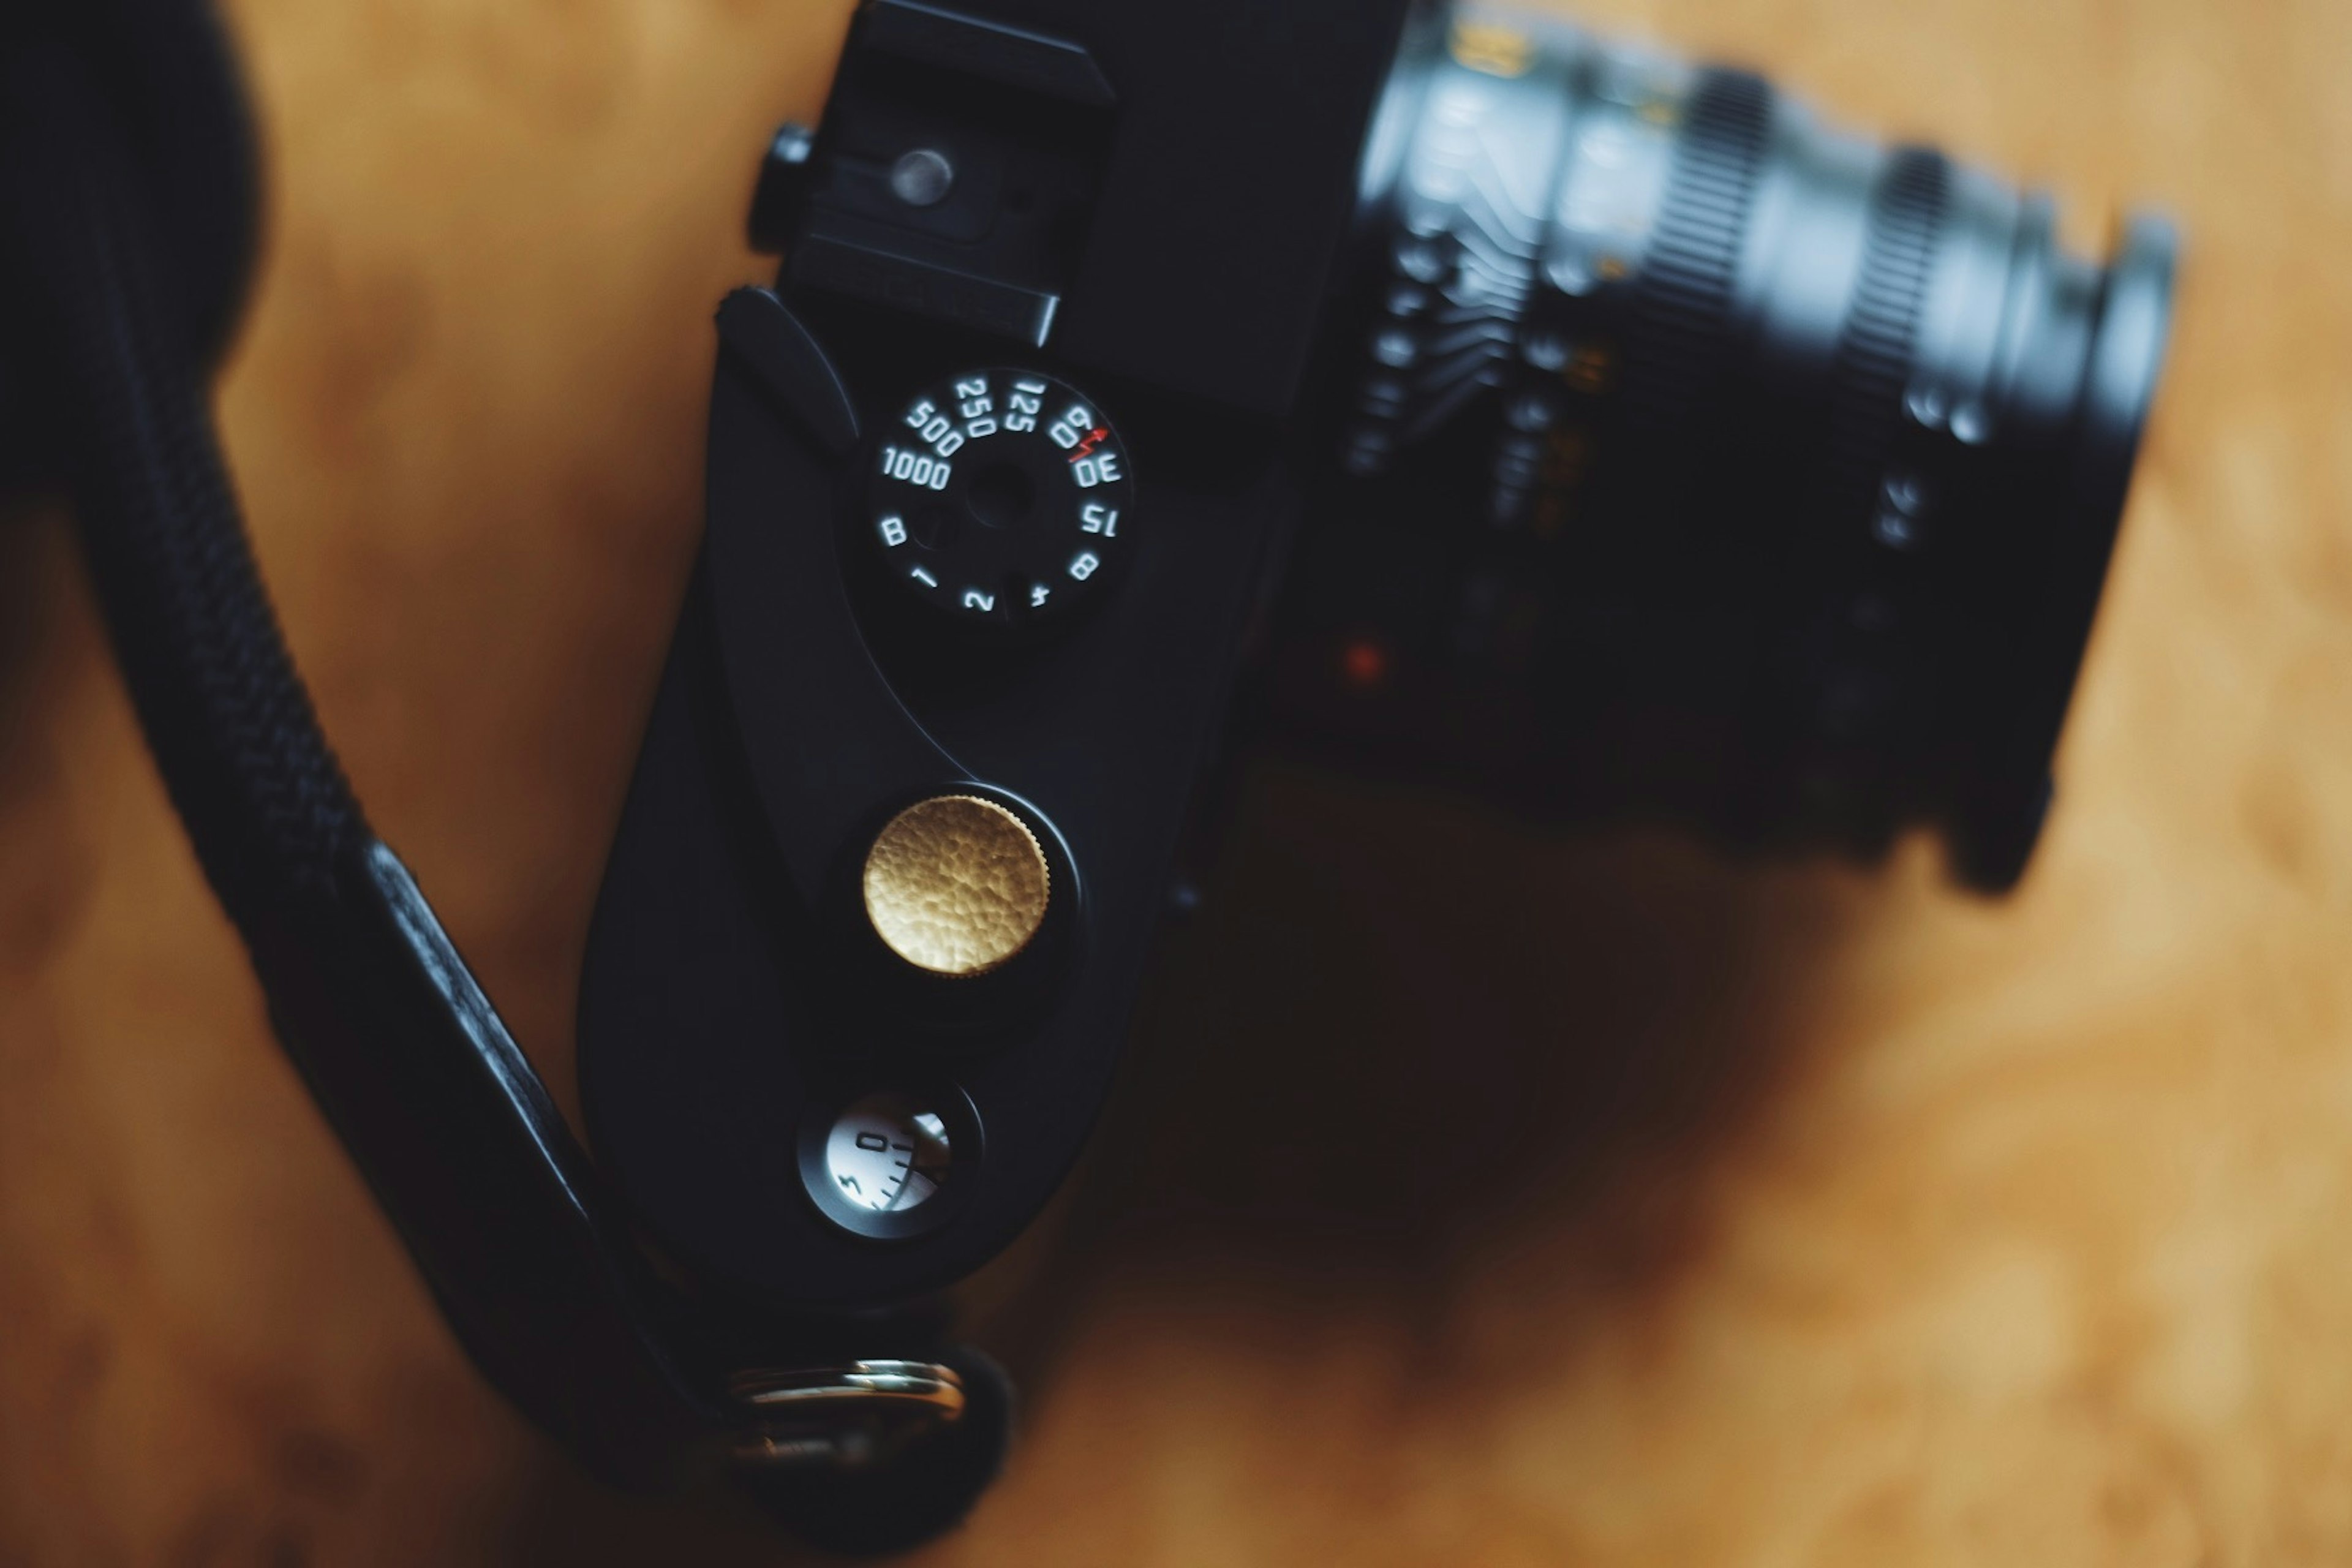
x: 956, y: 884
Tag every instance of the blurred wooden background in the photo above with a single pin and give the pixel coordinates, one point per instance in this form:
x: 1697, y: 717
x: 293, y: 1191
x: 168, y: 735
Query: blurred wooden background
x: 1477, y: 1198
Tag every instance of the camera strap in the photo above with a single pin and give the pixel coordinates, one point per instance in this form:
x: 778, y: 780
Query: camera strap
x: 874, y: 1444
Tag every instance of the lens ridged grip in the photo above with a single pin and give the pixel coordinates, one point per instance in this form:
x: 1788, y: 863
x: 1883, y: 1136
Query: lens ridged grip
x: 1843, y: 681
x: 1875, y: 351
x: 1678, y: 339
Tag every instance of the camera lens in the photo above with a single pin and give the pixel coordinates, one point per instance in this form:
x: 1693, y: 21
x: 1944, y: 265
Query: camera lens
x: 1697, y: 459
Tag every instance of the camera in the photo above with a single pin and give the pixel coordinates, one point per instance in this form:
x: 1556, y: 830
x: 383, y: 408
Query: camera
x: 1486, y: 403
x: 1419, y: 388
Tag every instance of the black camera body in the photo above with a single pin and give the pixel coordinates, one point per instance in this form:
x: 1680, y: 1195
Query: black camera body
x: 1487, y: 402
x: 1108, y: 246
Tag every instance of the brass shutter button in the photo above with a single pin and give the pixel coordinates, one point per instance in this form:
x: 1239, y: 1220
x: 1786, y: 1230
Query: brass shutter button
x: 956, y: 885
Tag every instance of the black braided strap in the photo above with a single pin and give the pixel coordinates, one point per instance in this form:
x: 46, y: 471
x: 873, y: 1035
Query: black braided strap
x: 165, y: 61
x: 232, y: 728
x: 442, y: 1113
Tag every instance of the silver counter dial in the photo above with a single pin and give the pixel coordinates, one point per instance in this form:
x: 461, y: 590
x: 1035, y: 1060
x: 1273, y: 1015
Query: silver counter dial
x: 893, y: 1164
x: 887, y: 1154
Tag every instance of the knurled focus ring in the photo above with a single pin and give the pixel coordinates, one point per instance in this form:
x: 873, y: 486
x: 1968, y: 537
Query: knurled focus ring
x: 1678, y: 335
x: 1875, y: 351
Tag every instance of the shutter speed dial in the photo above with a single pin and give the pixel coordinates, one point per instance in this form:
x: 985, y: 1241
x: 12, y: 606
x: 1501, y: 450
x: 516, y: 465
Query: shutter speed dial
x: 1001, y: 498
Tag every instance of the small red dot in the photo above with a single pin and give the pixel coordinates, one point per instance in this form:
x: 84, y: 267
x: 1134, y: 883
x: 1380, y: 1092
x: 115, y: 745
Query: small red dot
x: 1364, y: 662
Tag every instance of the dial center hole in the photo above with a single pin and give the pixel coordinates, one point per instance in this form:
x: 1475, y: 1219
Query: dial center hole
x: 1001, y: 495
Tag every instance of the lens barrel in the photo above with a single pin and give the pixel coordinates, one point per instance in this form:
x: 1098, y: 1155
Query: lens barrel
x: 1696, y: 459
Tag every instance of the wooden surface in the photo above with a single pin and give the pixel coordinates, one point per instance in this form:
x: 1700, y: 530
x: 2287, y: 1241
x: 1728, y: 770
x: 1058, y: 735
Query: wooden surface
x: 1477, y: 1198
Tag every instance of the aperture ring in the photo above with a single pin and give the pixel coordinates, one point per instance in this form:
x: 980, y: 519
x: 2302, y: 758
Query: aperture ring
x: 1873, y: 366
x: 1679, y: 341
x: 1846, y: 676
